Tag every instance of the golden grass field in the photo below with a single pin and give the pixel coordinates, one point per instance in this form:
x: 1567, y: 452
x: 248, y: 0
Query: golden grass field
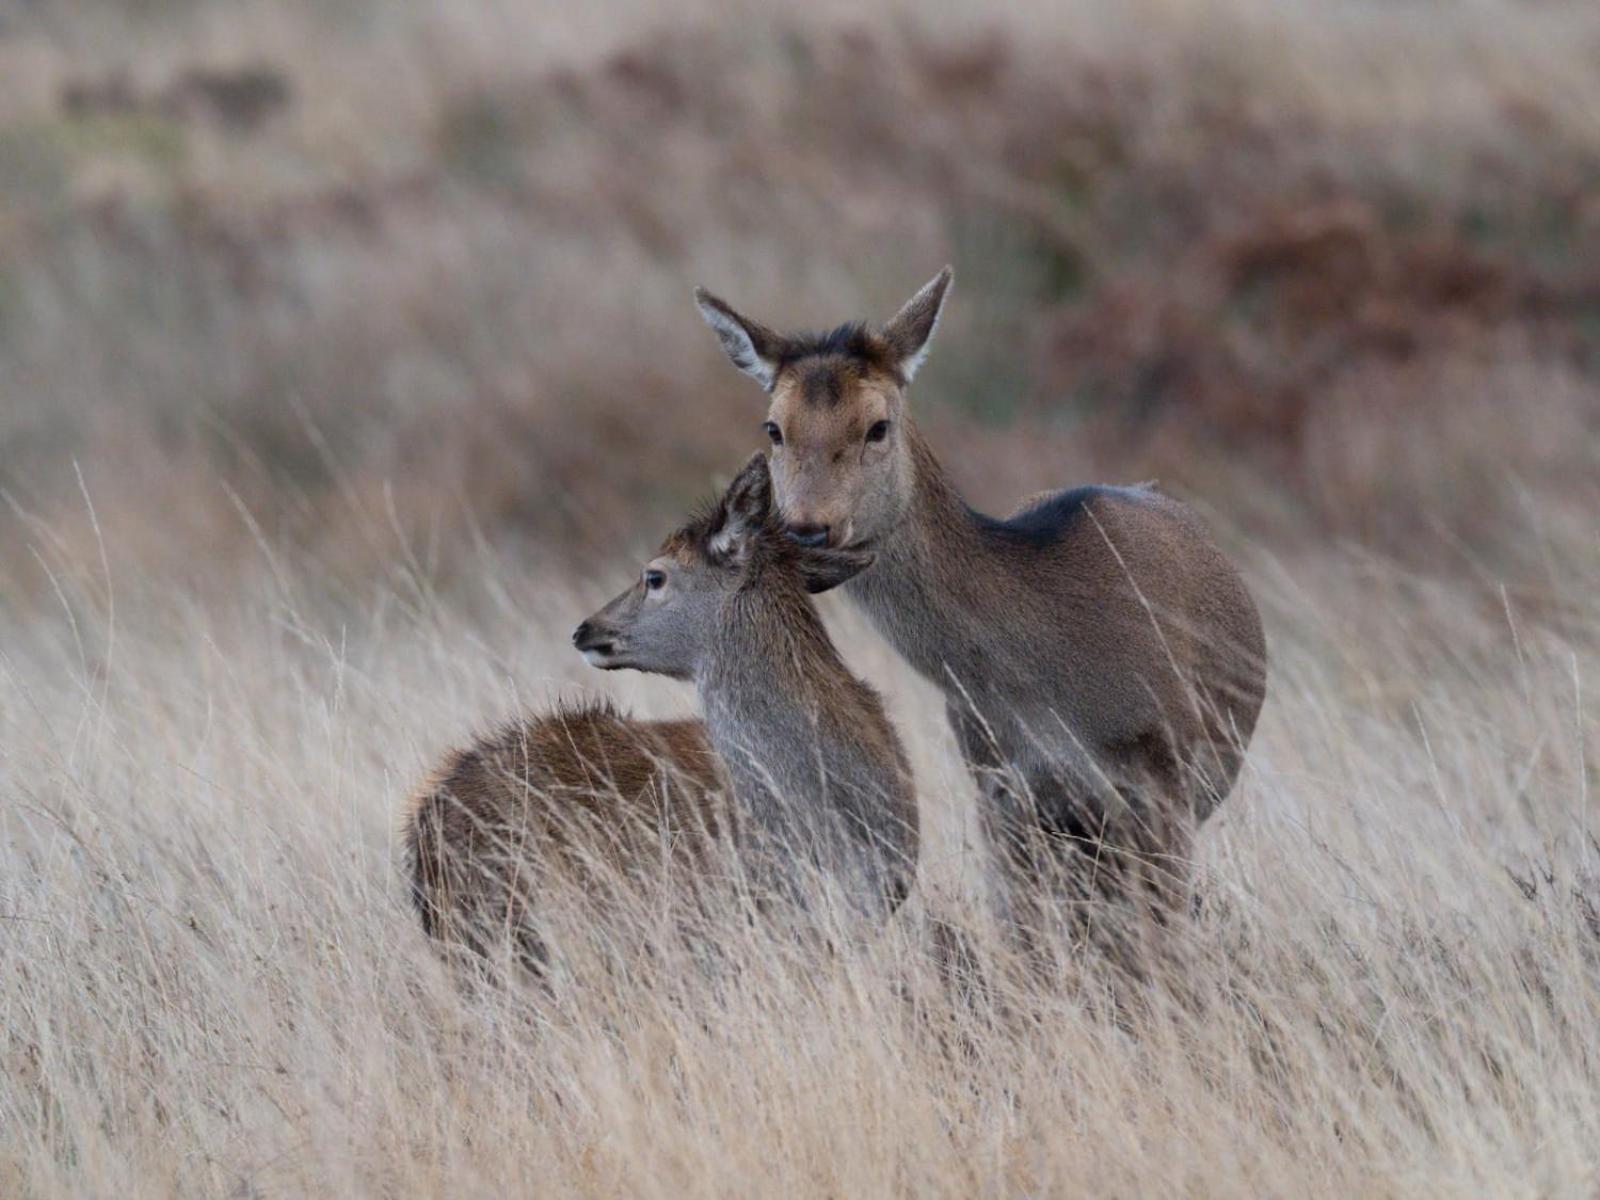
x: 338, y: 384
x: 214, y: 983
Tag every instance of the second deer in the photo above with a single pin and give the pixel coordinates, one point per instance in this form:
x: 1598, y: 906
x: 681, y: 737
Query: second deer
x: 796, y: 760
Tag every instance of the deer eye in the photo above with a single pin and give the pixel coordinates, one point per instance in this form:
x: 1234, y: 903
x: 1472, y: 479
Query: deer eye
x: 773, y: 432
x: 654, y: 580
x: 879, y: 431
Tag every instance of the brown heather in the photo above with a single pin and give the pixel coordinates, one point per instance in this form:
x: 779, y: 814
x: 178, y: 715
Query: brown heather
x: 1294, y: 261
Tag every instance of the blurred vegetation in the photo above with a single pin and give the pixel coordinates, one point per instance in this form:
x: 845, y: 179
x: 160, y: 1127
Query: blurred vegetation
x: 1333, y: 270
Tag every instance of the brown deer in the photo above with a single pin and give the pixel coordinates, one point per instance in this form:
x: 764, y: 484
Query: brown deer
x: 581, y: 794
x: 1102, y: 662
x: 795, y: 760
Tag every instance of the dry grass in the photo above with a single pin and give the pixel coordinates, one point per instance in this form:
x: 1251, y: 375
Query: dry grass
x: 211, y: 981
x: 371, y: 386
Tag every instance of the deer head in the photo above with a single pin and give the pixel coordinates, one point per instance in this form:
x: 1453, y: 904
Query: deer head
x: 668, y: 621
x: 841, y: 461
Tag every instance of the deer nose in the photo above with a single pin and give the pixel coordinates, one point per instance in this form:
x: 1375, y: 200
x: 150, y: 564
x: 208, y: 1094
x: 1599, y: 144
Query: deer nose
x: 810, y: 535
x: 583, y: 635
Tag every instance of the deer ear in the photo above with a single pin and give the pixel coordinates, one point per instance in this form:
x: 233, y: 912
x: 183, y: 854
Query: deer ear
x: 753, y: 347
x: 822, y: 570
x: 746, y: 510
x: 910, y: 331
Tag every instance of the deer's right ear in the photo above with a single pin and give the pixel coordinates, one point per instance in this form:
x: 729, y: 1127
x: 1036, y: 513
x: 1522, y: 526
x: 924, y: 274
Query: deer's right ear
x: 753, y: 347
x: 823, y: 570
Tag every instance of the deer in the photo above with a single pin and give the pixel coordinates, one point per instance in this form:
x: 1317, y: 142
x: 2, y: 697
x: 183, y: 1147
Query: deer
x: 795, y: 760
x: 581, y: 794
x: 1103, y: 663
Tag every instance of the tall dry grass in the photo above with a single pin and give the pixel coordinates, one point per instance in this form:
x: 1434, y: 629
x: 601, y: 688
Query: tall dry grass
x: 211, y: 981
x: 321, y: 424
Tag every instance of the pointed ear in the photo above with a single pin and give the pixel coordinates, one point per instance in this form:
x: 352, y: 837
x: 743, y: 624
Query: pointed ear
x: 753, y: 347
x: 745, y: 510
x: 822, y: 570
x: 910, y: 331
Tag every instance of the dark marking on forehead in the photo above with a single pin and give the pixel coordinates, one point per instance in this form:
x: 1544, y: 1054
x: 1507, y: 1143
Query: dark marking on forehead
x: 823, y: 381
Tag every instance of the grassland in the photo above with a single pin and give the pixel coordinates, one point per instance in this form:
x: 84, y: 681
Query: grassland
x: 346, y: 359
x: 213, y: 982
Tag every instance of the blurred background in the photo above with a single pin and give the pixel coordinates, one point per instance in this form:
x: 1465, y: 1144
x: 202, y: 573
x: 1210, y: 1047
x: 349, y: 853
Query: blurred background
x: 342, y: 277
x: 348, y: 358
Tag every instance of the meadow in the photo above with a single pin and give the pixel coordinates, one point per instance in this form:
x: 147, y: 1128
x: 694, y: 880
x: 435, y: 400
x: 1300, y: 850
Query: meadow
x: 347, y: 360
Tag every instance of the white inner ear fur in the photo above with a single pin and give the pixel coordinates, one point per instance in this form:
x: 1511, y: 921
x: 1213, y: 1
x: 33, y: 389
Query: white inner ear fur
x: 724, y: 541
x: 912, y: 363
x: 732, y: 541
x: 738, y: 346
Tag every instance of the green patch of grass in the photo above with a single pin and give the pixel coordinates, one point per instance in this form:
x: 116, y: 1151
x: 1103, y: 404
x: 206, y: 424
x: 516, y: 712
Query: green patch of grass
x: 33, y: 166
x: 149, y: 136
x: 12, y: 298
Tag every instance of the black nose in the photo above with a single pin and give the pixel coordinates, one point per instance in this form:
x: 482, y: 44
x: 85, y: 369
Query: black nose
x: 810, y: 535
x: 582, y: 635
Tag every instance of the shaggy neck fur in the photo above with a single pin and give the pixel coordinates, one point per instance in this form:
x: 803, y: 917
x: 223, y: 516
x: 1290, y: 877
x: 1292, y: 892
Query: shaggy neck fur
x: 814, y: 762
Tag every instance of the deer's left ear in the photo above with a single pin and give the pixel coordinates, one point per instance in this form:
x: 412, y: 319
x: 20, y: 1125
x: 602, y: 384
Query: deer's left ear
x: 746, y: 511
x: 822, y: 570
x: 910, y: 331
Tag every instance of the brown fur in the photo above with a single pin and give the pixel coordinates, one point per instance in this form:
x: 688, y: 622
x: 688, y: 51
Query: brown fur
x: 1137, y: 668
x: 583, y: 796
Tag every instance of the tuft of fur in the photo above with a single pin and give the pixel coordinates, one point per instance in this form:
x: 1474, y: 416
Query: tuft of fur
x: 850, y: 340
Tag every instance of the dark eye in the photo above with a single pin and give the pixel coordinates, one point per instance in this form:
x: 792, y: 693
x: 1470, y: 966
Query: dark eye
x: 655, y: 580
x: 879, y: 431
x: 773, y: 432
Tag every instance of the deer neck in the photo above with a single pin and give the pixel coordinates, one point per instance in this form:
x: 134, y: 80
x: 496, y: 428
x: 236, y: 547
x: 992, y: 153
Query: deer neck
x: 932, y: 591
x: 781, y: 709
x: 772, y: 688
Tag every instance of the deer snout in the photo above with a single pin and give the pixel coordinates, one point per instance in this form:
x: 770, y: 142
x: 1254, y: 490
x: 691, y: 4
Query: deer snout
x: 810, y: 535
x: 592, y: 640
x: 820, y: 535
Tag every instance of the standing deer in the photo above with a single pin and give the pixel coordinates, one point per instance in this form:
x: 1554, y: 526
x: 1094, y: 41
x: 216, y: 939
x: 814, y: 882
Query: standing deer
x: 796, y: 759
x: 1102, y: 662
